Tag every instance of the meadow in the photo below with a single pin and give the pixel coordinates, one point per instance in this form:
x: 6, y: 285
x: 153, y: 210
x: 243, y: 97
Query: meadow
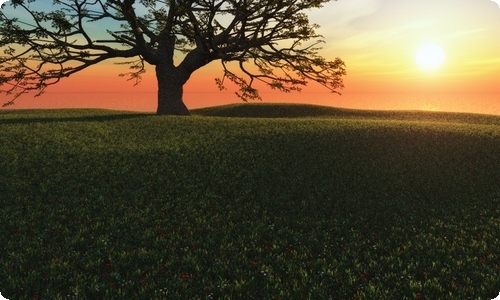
x: 249, y: 202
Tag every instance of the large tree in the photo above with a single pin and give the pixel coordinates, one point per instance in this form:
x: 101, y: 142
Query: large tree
x: 269, y: 41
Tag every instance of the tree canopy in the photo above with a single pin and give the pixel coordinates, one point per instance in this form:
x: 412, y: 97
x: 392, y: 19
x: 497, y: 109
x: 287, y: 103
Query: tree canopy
x: 268, y: 41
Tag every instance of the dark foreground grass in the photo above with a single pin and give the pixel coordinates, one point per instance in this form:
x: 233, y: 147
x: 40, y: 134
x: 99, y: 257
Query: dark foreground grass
x: 101, y: 204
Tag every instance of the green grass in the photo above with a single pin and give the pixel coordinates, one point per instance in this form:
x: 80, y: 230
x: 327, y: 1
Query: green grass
x: 332, y: 203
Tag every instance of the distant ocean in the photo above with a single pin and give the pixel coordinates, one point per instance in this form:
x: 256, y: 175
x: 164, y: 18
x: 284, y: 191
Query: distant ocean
x: 470, y: 103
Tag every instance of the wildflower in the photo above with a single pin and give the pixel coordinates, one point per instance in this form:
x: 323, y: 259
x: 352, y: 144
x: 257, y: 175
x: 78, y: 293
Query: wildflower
x: 419, y: 295
x: 107, y: 266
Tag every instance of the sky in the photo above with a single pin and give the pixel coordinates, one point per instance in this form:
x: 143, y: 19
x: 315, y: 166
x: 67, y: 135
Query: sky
x: 377, y: 39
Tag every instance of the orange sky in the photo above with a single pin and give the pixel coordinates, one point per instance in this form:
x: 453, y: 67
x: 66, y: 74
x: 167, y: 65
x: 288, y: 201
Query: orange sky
x: 377, y: 39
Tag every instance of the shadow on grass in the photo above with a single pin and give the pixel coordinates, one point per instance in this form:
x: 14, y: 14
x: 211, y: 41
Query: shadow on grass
x: 19, y: 119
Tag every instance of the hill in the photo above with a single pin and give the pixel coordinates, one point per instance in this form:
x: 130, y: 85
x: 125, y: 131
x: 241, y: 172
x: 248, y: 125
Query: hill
x: 329, y: 203
x: 282, y: 110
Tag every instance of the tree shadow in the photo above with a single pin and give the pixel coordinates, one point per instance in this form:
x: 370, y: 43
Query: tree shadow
x: 19, y: 119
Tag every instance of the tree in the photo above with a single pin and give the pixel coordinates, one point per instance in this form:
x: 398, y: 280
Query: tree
x: 269, y: 41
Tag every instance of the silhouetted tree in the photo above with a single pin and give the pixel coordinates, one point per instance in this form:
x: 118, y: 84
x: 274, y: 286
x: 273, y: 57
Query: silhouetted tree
x: 269, y: 41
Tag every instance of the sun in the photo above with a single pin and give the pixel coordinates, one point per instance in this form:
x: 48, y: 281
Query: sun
x: 430, y: 57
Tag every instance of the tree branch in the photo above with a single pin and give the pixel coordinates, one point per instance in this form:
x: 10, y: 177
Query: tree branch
x: 271, y: 42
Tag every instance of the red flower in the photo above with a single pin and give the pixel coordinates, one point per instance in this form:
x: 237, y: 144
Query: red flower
x: 107, y: 266
x: 184, y: 276
x: 419, y: 295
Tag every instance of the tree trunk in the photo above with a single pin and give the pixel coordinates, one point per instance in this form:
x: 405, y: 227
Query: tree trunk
x: 170, y: 83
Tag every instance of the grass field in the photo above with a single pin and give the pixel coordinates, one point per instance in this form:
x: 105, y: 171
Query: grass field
x: 307, y: 203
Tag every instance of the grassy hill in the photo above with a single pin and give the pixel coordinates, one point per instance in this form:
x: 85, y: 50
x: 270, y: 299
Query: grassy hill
x: 246, y: 201
x: 274, y: 110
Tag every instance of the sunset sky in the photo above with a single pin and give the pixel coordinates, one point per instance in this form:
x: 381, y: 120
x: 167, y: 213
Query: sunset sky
x: 377, y: 39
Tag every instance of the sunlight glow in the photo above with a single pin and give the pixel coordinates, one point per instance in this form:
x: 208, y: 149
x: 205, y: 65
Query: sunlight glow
x: 430, y: 57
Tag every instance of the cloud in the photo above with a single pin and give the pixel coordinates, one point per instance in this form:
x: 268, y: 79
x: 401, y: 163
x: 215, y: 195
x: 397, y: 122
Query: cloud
x: 382, y: 35
x: 340, y: 14
x: 463, y: 33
